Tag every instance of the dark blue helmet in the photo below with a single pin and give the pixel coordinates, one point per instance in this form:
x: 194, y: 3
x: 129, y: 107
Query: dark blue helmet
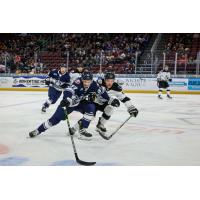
x: 63, y: 65
x: 87, y: 76
x: 109, y: 75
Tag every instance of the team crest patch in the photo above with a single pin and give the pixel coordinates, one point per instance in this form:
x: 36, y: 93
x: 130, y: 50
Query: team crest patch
x: 77, y: 81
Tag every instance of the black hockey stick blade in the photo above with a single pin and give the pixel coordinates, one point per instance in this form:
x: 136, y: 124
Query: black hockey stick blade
x: 103, y: 136
x: 81, y: 162
x: 120, y: 127
x: 108, y: 137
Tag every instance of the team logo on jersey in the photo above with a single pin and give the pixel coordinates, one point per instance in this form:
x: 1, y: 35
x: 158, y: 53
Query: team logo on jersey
x: 100, y: 90
x: 99, y: 81
x: 77, y: 81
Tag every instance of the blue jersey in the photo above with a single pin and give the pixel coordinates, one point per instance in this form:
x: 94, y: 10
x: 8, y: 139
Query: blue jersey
x: 78, y: 93
x: 57, y: 80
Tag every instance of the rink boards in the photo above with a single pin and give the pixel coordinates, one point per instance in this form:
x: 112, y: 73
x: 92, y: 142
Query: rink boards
x: 130, y: 85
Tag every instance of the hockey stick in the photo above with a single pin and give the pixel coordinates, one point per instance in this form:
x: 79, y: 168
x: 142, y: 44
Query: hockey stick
x: 81, y: 162
x: 108, y: 137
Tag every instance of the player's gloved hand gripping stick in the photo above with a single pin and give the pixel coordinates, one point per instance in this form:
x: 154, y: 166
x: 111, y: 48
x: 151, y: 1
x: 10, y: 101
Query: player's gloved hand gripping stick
x: 133, y: 113
x: 81, y: 162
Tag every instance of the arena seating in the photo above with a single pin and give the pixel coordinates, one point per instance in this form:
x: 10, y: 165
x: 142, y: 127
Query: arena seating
x: 85, y: 49
x: 118, y: 50
x: 186, y: 45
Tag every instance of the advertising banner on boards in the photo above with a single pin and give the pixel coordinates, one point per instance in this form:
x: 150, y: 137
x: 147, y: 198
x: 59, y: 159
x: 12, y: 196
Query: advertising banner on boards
x: 29, y: 81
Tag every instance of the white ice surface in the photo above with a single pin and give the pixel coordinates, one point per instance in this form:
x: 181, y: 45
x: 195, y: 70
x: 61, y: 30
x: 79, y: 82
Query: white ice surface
x: 166, y: 132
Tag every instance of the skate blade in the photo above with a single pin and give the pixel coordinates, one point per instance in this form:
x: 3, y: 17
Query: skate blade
x: 99, y: 131
x: 85, y: 138
x: 28, y: 137
x: 103, y: 135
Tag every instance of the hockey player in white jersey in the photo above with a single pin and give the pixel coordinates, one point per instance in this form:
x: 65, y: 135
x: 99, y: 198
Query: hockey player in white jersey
x: 114, y: 90
x: 163, y: 79
x: 116, y: 94
x: 77, y: 73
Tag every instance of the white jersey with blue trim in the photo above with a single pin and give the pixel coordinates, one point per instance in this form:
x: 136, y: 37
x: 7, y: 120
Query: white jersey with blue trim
x: 74, y: 76
x: 115, y: 91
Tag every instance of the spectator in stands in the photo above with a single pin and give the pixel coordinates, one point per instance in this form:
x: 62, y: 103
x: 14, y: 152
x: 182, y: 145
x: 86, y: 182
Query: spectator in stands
x: 118, y: 48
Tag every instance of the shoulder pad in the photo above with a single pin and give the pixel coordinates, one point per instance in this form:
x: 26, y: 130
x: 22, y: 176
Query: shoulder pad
x: 116, y: 87
x: 54, y: 72
x: 51, y: 73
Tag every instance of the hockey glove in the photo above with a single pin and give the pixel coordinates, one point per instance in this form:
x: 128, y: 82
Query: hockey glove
x: 133, y: 111
x: 115, y: 103
x: 47, y: 81
x: 65, y: 103
x: 64, y: 85
x: 90, y: 97
x: 50, y: 80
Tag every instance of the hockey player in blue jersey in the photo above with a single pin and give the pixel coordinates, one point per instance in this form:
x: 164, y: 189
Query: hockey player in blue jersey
x: 79, y: 97
x: 58, y: 81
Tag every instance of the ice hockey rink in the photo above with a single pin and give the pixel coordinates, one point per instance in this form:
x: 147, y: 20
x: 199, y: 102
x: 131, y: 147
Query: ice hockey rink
x: 166, y: 132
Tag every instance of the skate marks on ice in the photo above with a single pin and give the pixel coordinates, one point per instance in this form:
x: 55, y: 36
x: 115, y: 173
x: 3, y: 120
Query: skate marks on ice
x: 20, y: 104
x: 190, y: 121
x: 164, y: 133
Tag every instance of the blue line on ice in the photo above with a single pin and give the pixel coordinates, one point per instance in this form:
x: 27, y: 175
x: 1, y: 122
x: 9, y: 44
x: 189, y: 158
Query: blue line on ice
x: 13, y: 161
x: 74, y: 163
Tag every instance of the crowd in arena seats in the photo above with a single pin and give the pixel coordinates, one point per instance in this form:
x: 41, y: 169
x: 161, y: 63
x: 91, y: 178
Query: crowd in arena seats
x: 118, y: 50
x: 17, y: 52
x: 86, y: 49
x: 186, y: 46
x: 181, y: 44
